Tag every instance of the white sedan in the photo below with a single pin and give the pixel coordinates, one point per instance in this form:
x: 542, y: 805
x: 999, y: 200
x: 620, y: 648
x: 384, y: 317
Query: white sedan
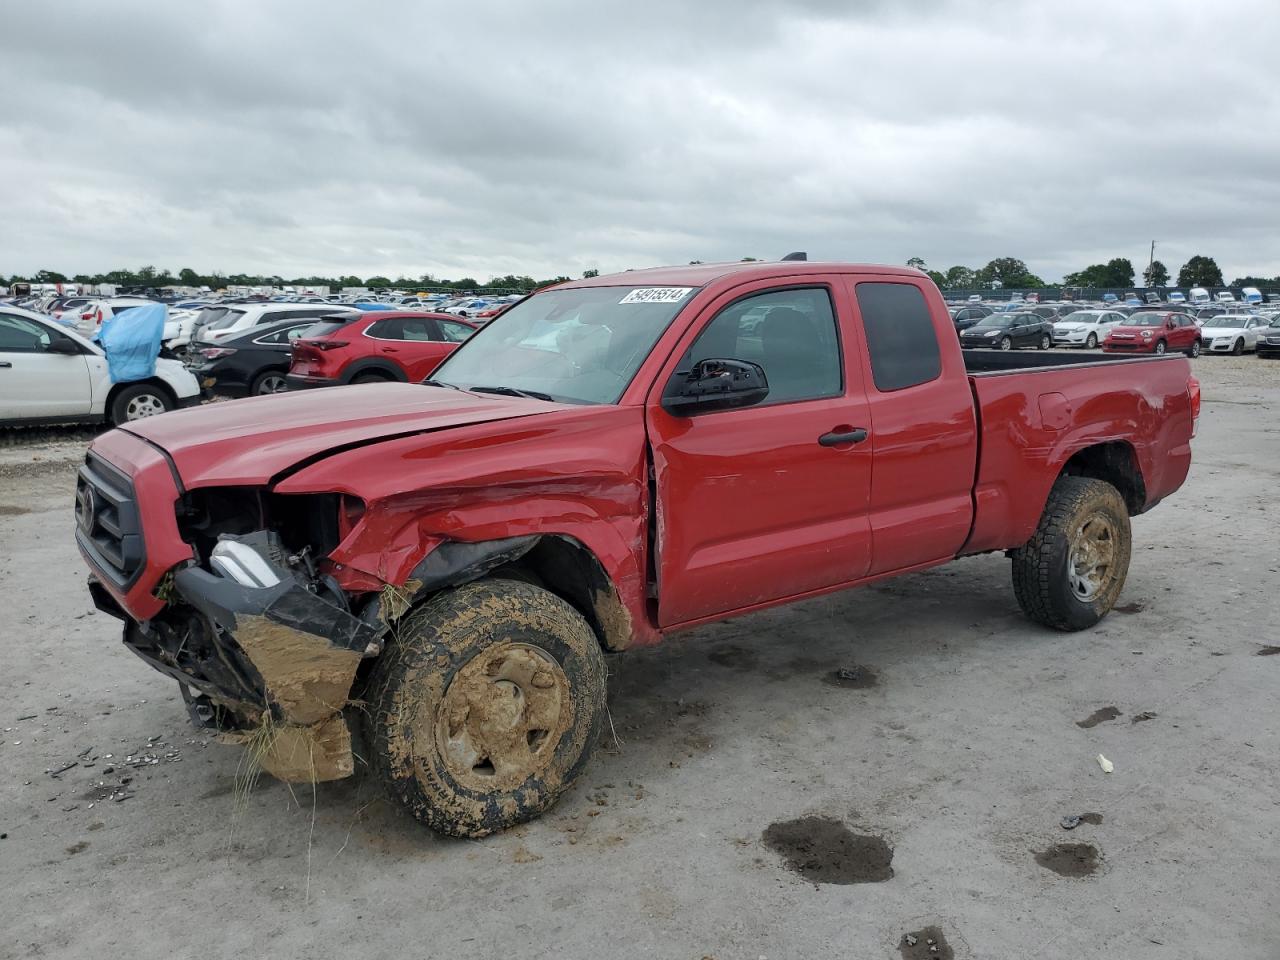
x: 1084, y: 328
x: 49, y: 374
x: 1235, y: 333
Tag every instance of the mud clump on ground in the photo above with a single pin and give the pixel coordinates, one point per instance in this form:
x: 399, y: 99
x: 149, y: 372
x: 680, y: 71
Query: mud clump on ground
x: 1268, y: 652
x: 853, y: 677
x: 1097, y: 717
x: 925, y: 944
x: 1134, y: 607
x: 7, y: 511
x: 1070, y: 859
x: 826, y: 851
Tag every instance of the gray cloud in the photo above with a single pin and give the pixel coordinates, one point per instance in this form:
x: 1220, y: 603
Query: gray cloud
x: 299, y: 138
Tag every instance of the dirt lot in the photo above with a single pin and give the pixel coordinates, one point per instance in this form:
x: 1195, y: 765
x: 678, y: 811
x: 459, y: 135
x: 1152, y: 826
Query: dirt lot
x: 918, y: 737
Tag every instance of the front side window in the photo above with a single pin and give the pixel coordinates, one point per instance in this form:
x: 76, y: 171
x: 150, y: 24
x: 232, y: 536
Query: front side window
x: 790, y: 333
x: 20, y: 335
x: 454, y: 332
x: 579, y: 345
x: 901, y: 340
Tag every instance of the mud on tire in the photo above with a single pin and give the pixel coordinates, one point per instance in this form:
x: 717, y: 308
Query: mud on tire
x: 486, y: 705
x: 1069, y: 575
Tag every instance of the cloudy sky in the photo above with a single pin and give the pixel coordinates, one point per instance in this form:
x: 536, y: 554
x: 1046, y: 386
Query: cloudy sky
x: 482, y: 138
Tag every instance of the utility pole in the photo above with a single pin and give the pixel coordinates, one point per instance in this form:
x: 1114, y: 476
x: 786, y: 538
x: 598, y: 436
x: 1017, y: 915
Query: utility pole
x: 1151, y: 262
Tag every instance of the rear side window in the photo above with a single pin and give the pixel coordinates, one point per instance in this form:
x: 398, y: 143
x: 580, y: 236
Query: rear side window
x: 386, y: 330
x: 900, y: 337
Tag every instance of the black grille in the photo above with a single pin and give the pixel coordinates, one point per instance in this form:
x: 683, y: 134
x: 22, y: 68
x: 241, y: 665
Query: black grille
x: 107, y: 521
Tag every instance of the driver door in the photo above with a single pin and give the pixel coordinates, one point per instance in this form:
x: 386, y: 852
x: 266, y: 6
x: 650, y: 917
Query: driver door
x: 758, y: 504
x: 35, y: 383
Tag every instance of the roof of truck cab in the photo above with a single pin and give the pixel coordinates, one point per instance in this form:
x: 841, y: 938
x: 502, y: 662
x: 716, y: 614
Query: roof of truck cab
x: 701, y: 274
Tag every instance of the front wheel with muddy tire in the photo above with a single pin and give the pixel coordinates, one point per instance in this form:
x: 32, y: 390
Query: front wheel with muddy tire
x: 1069, y: 575
x: 486, y: 706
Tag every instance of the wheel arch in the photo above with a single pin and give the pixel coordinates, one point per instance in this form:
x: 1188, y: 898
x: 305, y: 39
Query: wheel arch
x: 1115, y: 462
x: 373, y: 365
x: 560, y: 564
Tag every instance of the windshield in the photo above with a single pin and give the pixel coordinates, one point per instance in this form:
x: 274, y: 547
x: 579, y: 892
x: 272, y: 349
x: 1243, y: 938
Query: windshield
x: 995, y: 320
x: 1083, y: 316
x: 1143, y: 320
x: 580, y: 346
x: 1225, y: 322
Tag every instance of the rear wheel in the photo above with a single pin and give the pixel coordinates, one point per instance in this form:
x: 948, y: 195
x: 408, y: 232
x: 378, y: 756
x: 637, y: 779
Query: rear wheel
x: 1006, y: 343
x: 1194, y: 351
x: 269, y: 381
x: 370, y: 378
x: 139, y: 401
x: 1161, y: 346
x: 1045, y: 342
x: 1069, y: 575
x: 1091, y: 342
x: 486, y: 707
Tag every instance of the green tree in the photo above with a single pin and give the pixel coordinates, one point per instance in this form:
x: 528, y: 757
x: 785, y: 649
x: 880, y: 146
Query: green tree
x: 189, y: 277
x: 916, y: 263
x: 1117, y: 272
x: 1009, y: 272
x: 49, y: 276
x: 588, y: 274
x: 960, y: 278
x: 376, y: 282
x: 1261, y: 282
x: 1200, y: 271
x: 1156, y: 274
x: 351, y: 282
x: 937, y: 277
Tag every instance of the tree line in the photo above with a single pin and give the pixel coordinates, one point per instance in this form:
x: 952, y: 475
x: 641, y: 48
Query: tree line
x: 1010, y: 272
x: 155, y: 277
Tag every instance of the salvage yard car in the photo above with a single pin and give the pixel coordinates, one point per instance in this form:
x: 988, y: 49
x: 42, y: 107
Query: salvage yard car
x: 1152, y: 332
x: 375, y: 348
x: 444, y: 567
x: 1008, y: 331
x: 1085, y: 328
x: 1233, y: 333
x: 50, y: 374
x: 253, y: 363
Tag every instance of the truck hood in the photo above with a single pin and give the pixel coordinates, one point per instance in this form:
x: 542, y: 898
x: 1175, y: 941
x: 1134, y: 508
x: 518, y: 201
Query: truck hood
x: 248, y: 442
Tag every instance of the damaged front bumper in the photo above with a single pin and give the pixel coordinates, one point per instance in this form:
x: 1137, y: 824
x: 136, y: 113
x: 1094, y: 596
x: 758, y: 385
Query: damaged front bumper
x: 262, y: 653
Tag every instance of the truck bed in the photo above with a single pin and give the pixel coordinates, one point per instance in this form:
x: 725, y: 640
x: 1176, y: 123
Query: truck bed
x: 1035, y: 410
x: 995, y: 362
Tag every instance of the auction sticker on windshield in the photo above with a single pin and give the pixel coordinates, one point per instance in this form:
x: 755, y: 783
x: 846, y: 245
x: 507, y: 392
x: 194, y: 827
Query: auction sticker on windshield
x: 656, y: 295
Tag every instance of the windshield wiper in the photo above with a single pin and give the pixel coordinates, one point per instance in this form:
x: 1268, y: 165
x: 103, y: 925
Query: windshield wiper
x: 513, y: 392
x: 440, y: 383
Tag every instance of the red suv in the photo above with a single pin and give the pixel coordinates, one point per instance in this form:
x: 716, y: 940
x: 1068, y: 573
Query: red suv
x: 1152, y: 332
x: 375, y: 346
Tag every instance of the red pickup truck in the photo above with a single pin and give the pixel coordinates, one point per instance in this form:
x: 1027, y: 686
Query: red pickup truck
x: 443, y: 567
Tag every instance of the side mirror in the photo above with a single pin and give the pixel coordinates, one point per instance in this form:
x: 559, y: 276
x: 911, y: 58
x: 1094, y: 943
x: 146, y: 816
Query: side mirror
x: 1170, y: 324
x: 715, y: 385
x: 63, y: 345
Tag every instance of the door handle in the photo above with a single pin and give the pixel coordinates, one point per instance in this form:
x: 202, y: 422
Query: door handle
x: 390, y: 350
x: 5, y: 364
x: 835, y: 439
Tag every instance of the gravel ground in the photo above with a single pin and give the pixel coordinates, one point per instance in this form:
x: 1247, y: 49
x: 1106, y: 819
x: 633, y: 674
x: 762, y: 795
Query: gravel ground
x: 918, y: 736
